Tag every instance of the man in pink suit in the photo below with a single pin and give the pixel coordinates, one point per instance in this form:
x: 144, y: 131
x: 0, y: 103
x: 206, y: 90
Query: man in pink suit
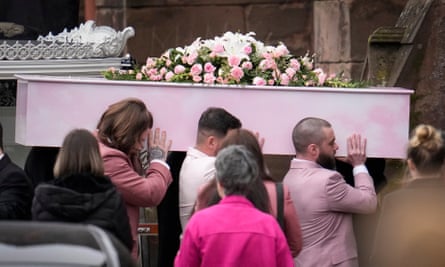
x: 323, y: 200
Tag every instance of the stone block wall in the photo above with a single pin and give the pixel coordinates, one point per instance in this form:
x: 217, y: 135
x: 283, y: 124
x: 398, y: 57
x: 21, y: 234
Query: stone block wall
x: 336, y: 30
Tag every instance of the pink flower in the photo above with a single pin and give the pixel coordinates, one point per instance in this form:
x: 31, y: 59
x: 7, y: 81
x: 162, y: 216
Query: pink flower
x: 248, y: 49
x: 290, y: 72
x: 218, y: 48
x: 168, y: 62
x: 295, y: 64
x: 163, y: 71
x: 284, y: 79
x: 237, y: 73
x: 247, y: 65
x: 268, y: 64
x: 179, y: 69
x: 112, y: 69
x: 208, y: 67
x: 267, y: 55
x: 197, y: 78
x: 150, y: 62
x: 209, y: 78
x: 191, y: 58
x: 139, y: 76
x: 196, y: 69
x: 280, y: 51
x: 169, y: 75
x: 234, y: 61
x: 321, y: 76
x: 271, y: 82
x: 259, y: 81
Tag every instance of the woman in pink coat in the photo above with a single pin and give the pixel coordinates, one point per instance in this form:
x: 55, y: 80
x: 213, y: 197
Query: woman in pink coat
x: 234, y: 232
x: 208, y: 196
x: 122, y: 132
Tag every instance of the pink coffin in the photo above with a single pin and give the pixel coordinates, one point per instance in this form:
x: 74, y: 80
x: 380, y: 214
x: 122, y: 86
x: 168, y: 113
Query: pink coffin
x: 49, y: 107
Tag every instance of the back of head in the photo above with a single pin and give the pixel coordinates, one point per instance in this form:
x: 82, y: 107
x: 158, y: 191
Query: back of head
x: 218, y: 121
x: 236, y: 169
x: 426, y: 149
x: 79, y: 154
x: 123, y: 122
x: 308, y: 131
x: 250, y: 141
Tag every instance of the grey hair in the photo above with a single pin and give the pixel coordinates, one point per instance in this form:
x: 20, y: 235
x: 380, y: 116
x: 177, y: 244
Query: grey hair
x: 236, y: 169
x: 308, y: 131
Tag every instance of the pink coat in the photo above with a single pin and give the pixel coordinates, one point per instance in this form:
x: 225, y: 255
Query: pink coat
x: 233, y: 233
x: 136, y: 190
x: 292, y: 228
x: 325, y: 204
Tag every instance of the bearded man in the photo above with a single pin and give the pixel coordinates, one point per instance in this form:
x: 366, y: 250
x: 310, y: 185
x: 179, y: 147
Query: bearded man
x: 323, y: 200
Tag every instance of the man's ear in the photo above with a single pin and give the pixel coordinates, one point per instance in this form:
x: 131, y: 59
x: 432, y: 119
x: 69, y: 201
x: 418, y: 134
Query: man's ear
x: 313, y: 150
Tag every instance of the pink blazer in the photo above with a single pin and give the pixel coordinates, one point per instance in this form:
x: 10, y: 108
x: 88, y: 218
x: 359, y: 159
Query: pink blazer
x: 324, y: 204
x: 137, y: 191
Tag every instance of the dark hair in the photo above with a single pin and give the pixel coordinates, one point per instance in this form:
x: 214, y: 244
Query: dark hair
x: 250, y: 141
x: 308, y: 131
x: 122, y: 124
x: 257, y: 192
x: 426, y: 149
x: 1, y: 136
x: 79, y: 154
x: 217, y: 121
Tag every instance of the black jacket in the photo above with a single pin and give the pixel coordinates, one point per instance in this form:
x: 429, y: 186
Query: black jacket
x: 16, y: 191
x: 83, y: 198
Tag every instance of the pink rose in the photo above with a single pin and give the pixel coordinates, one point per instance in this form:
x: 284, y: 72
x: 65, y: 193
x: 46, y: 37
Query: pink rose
x: 163, y: 71
x: 271, y: 82
x: 290, y: 72
x: 208, y: 67
x: 209, y: 78
x: 218, y: 48
x: 150, y: 62
x: 234, y: 61
x: 259, y: 81
x: 284, y: 79
x: 196, y: 69
x: 179, y: 69
x: 191, y: 58
x: 169, y: 75
x: 139, y: 76
x: 237, y: 73
x: 295, y: 64
x: 197, y: 78
x: 247, y: 65
x: 280, y: 51
x: 248, y: 49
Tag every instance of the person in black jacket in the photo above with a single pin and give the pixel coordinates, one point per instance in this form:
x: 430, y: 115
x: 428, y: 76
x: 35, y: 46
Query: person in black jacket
x: 16, y: 190
x: 80, y: 192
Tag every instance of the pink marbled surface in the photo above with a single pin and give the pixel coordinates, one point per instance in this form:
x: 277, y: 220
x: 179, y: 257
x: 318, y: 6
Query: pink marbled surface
x: 49, y: 107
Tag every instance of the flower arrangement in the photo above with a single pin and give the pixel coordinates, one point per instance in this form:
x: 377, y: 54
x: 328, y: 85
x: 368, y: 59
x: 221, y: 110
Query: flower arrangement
x: 233, y: 58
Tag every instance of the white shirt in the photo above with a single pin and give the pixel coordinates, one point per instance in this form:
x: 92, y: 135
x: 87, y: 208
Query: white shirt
x: 197, y: 169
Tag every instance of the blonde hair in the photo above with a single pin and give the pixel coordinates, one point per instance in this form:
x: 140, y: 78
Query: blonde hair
x: 426, y: 149
x: 79, y: 154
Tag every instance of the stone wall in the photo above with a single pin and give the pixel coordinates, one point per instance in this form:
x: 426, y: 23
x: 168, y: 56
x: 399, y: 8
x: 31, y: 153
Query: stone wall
x: 336, y: 30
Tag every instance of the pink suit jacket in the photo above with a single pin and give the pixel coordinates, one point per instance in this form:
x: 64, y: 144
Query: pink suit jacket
x: 325, y: 203
x: 137, y: 191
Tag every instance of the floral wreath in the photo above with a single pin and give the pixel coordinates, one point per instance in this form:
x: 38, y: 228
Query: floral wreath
x: 233, y: 58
